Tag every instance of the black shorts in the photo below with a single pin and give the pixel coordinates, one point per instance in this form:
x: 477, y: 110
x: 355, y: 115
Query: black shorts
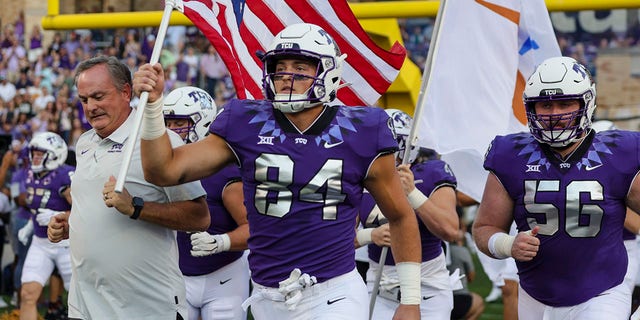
x: 461, y: 305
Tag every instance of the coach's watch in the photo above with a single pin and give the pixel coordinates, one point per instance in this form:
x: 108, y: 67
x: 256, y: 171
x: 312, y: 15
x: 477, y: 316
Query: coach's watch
x: 137, y: 203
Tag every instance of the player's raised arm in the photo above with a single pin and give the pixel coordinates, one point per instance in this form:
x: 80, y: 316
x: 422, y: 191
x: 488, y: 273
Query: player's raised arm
x: 162, y: 164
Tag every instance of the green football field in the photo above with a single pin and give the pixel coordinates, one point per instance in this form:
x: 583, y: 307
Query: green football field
x: 482, y: 286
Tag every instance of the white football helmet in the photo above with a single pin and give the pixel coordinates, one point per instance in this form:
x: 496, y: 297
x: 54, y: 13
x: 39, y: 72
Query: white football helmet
x: 54, y: 148
x: 560, y: 78
x: 193, y: 104
x: 310, y: 42
x: 402, y: 123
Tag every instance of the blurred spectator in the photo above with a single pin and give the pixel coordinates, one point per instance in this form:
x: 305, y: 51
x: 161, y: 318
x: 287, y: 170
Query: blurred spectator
x: 23, y: 102
x: 13, y: 56
x: 72, y: 43
x: 56, y: 44
x: 18, y: 27
x: 181, y: 72
x: 213, y: 69
x: 35, y: 44
x: 146, y: 48
x: 7, y: 89
x: 24, y: 81
x: 9, y: 116
x: 7, y: 35
x: 132, y: 47
x: 192, y: 60
x: 87, y: 45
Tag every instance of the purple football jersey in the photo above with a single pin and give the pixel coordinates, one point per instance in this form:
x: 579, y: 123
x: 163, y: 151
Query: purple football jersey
x: 579, y: 205
x: 430, y: 176
x: 221, y: 222
x: 45, y: 192
x: 302, y: 190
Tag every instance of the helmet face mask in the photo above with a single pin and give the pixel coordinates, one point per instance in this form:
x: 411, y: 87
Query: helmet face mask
x: 402, y: 123
x: 560, y: 80
x: 306, y: 42
x: 193, y: 105
x: 54, y: 150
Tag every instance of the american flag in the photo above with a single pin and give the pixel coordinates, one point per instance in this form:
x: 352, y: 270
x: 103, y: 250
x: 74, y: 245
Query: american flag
x: 239, y: 34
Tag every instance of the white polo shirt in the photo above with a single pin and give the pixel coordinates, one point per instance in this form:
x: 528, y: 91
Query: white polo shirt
x: 122, y: 268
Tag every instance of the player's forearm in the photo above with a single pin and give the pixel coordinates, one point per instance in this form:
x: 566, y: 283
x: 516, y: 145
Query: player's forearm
x: 481, y: 235
x: 239, y: 237
x: 187, y: 216
x: 632, y: 221
x: 405, y: 239
x: 442, y: 222
x: 156, y: 154
x: 407, y: 252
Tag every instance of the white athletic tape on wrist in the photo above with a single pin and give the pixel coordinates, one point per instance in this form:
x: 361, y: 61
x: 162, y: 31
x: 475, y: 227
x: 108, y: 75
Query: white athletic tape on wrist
x: 409, y: 277
x: 364, y: 236
x: 226, y: 242
x: 153, y: 126
x: 416, y: 198
x: 500, y: 245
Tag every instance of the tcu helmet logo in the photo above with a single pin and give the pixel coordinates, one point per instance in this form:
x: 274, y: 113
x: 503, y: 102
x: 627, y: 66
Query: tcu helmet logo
x: 205, y: 99
x: 329, y: 40
x: 287, y: 46
x: 55, y: 140
x: 580, y: 69
x: 326, y: 35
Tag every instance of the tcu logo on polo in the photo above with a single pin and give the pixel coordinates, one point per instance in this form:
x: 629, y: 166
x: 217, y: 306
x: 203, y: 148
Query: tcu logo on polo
x: 116, y: 148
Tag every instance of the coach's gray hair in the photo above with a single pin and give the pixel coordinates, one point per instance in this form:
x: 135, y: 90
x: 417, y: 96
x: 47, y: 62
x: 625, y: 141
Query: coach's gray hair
x: 119, y: 72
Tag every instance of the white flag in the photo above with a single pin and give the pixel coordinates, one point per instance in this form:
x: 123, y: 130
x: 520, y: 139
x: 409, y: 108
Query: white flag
x: 486, y: 50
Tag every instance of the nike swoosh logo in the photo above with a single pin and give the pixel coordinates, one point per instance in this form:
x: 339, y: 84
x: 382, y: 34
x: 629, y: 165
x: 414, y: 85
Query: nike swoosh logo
x: 225, y: 281
x: 331, y: 145
x: 335, y: 300
x: 84, y: 151
x: 427, y: 298
x: 589, y: 168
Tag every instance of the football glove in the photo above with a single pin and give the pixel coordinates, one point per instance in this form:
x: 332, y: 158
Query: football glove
x: 205, y: 244
x: 44, y: 216
x: 25, y: 232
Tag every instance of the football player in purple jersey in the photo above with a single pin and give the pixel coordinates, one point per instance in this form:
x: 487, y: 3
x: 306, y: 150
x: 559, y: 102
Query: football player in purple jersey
x: 439, y: 221
x: 215, y: 271
x: 304, y: 166
x: 48, y: 194
x: 567, y: 187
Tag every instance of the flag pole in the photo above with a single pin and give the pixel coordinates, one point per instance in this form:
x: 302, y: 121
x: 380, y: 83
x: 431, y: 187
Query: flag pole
x: 426, y: 75
x: 412, y: 139
x: 169, y: 5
